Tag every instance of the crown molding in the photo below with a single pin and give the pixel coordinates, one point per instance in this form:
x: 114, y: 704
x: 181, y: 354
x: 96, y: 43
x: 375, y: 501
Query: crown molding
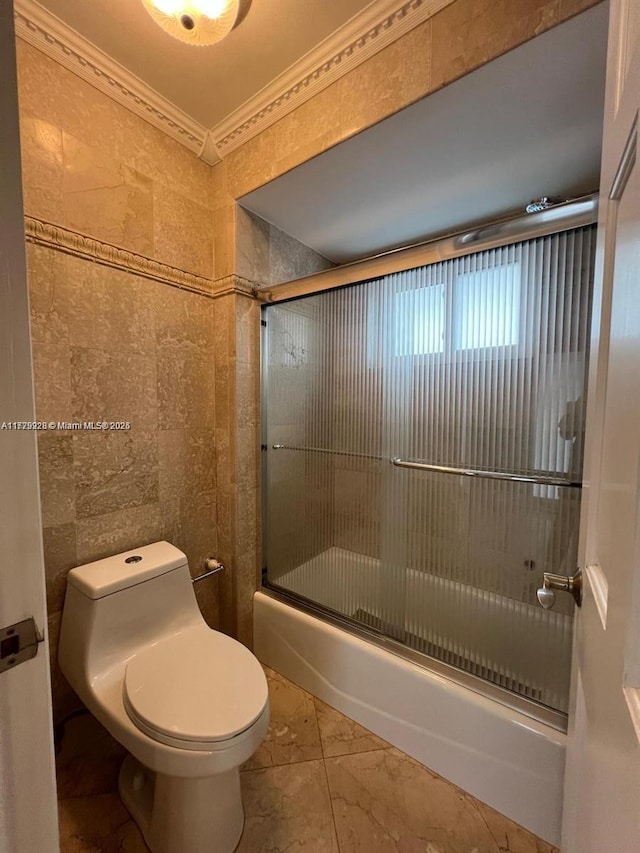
x: 377, y: 26
x: 63, y: 44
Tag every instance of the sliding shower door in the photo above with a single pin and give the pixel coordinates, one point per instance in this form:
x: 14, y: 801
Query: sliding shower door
x: 423, y: 434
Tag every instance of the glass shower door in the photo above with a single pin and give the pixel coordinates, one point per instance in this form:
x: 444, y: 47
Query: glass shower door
x: 424, y: 445
x: 334, y: 501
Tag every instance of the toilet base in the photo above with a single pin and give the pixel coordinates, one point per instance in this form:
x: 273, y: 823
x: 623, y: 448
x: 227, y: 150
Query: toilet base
x: 181, y: 815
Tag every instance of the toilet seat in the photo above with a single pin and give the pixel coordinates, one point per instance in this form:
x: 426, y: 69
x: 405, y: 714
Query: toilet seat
x: 195, y: 690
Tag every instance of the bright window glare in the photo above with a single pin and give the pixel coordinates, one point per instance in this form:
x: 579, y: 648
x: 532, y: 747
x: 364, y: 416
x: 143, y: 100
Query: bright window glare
x: 419, y: 321
x: 487, y: 307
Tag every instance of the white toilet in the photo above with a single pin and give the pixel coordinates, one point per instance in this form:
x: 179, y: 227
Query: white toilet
x: 188, y: 703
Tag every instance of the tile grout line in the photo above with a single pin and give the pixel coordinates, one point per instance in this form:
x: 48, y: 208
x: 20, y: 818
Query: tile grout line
x: 282, y: 764
x: 326, y: 776
x: 333, y: 814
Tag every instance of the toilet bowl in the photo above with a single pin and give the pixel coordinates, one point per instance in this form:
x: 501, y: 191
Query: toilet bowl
x: 189, y: 704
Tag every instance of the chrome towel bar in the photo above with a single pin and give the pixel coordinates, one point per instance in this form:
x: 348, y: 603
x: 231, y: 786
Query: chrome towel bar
x: 212, y: 567
x: 487, y: 475
x: 536, y: 479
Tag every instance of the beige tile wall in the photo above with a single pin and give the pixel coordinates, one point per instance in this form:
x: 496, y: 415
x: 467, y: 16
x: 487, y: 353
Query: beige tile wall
x: 90, y: 165
x: 267, y: 256
x: 251, y: 252
x: 236, y: 335
x: 111, y: 345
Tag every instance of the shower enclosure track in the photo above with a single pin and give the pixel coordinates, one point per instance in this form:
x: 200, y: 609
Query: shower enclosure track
x: 524, y: 705
x: 536, y: 479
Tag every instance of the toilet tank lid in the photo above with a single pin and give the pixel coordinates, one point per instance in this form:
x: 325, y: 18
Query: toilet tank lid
x: 104, y: 577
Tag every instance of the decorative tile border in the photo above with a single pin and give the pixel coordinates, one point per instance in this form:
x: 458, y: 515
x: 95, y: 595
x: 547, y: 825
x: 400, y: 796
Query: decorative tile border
x: 81, y: 246
x: 378, y: 25
x: 234, y: 284
x: 61, y: 239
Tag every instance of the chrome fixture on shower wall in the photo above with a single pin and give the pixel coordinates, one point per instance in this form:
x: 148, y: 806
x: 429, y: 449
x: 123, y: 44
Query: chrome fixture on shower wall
x: 542, y: 203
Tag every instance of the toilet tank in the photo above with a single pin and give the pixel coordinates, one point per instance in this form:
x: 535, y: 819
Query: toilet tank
x: 116, y: 606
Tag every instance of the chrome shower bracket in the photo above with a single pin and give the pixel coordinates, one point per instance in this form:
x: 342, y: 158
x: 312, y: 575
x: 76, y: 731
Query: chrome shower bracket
x: 564, y: 583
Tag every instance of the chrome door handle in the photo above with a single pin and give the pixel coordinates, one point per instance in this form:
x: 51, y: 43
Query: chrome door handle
x: 565, y: 583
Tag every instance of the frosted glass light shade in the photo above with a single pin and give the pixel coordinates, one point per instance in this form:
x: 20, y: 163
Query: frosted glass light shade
x: 199, y: 22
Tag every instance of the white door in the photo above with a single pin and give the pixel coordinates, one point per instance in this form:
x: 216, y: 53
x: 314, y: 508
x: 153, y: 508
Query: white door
x: 602, y: 793
x: 28, y: 817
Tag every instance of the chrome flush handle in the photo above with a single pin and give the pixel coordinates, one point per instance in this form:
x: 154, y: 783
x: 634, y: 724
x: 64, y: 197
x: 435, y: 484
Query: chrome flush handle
x: 565, y: 583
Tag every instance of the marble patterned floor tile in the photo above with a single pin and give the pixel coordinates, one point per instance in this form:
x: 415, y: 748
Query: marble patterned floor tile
x: 385, y: 802
x: 511, y: 837
x: 98, y: 824
x: 293, y: 731
x: 88, y: 759
x: 287, y: 809
x: 340, y: 735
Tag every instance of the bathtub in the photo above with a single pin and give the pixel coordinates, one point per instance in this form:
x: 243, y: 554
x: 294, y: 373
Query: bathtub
x: 505, y: 758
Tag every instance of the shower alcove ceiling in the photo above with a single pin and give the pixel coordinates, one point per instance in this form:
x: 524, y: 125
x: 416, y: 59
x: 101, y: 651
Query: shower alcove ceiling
x: 527, y: 124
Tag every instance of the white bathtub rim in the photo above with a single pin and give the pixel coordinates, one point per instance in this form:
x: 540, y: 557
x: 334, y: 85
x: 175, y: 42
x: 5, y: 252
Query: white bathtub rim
x: 529, y: 791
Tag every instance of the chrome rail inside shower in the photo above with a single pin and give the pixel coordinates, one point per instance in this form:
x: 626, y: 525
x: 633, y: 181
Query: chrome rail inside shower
x: 535, y: 479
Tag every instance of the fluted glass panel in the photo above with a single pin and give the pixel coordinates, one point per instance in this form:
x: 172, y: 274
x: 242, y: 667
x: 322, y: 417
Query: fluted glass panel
x: 475, y: 363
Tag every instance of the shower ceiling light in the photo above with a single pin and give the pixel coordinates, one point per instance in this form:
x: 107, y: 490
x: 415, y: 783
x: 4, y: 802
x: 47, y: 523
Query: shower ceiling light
x: 200, y: 22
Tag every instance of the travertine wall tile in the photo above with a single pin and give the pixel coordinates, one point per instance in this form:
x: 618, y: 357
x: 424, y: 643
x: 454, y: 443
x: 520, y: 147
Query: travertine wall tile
x: 252, y: 247
x: 115, y: 470
x: 392, y: 79
x: 186, y: 464
x: 57, y: 492
x: 468, y: 33
x: 247, y: 327
x: 180, y: 319
x: 52, y: 381
x: 110, y: 311
x: 90, y: 165
x: 114, y: 387
x: 186, y: 382
x: 103, y: 535
x: 182, y: 231
x: 224, y: 230
x: 47, y: 296
x: 247, y: 407
x: 290, y: 259
x: 42, y: 170
x: 53, y: 94
x: 105, y: 198
x: 568, y: 8
x: 60, y: 555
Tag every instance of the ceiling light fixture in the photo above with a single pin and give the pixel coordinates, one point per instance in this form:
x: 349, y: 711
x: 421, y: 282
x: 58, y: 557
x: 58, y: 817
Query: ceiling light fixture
x: 199, y: 22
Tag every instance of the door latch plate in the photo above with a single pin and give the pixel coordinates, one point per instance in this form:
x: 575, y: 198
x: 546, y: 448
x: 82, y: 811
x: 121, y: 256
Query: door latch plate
x: 18, y: 643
